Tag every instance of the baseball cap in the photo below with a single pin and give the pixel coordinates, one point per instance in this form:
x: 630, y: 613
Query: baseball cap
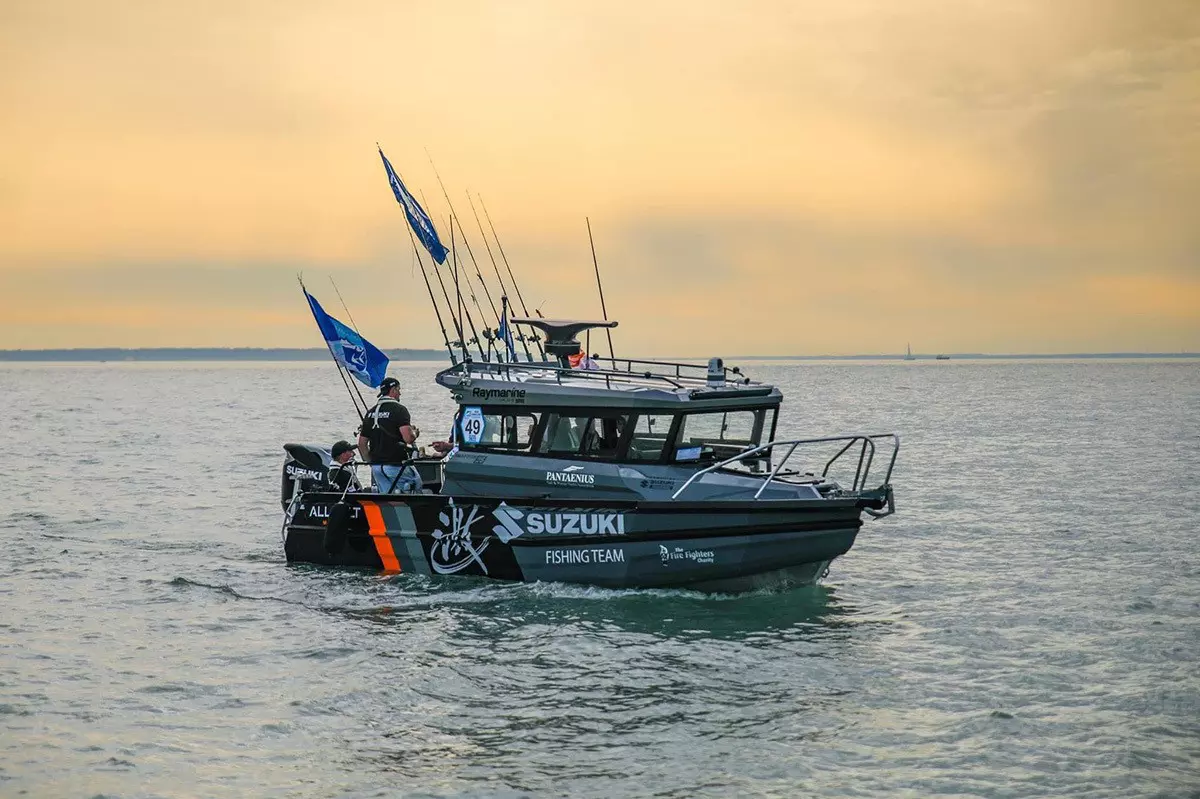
x: 341, y: 448
x: 387, y: 385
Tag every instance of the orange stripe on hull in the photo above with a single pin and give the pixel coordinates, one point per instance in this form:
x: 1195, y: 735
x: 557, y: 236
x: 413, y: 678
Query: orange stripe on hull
x: 383, y: 544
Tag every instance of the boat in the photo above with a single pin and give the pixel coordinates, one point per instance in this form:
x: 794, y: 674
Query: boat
x: 625, y: 473
x: 908, y: 356
x: 942, y: 358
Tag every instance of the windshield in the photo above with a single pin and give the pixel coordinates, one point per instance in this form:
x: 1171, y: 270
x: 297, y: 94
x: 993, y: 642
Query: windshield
x: 718, y: 434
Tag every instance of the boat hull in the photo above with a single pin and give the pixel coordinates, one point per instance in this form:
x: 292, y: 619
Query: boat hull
x: 711, y: 546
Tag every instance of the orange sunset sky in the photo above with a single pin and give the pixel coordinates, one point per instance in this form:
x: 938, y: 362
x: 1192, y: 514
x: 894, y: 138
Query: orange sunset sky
x: 842, y: 176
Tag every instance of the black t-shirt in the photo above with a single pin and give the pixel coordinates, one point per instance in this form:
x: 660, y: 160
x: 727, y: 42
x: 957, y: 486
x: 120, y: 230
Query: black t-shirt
x: 382, y: 429
x: 342, y: 476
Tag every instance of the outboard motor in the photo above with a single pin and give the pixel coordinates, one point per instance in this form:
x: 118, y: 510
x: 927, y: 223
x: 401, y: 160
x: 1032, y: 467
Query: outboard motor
x: 306, y: 468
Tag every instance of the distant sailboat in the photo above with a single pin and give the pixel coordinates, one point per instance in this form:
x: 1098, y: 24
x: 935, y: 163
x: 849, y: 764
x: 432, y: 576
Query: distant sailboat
x: 908, y: 356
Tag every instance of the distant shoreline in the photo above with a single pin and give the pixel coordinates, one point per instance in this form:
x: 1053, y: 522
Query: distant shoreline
x: 969, y: 356
x: 201, y: 354
x: 162, y: 354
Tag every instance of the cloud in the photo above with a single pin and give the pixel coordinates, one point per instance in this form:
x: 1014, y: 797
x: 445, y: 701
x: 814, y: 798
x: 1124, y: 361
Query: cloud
x: 806, y: 176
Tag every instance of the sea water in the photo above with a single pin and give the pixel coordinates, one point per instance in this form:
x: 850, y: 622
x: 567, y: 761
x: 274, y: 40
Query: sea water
x: 1027, y: 624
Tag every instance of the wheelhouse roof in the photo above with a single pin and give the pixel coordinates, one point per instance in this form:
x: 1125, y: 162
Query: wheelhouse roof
x: 543, y: 384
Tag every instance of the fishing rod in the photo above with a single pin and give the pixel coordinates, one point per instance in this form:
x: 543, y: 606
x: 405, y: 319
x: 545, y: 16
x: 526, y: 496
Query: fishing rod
x: 466, y: 241
x: 474, y: 298
x: 446, y: 294
x: 353, y: 327
x: 458, y: 290
x: 511, y: 276
x: 463, y: 313
x: 436, y: 310
x: 478, y: 276
x: 341, y: 373
x: 612, y: 355
x: 503, y: 290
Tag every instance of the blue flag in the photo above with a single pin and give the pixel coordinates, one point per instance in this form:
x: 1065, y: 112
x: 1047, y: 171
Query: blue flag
x: 360, y: 357
x: 504, y: 332
x: 417, y: 218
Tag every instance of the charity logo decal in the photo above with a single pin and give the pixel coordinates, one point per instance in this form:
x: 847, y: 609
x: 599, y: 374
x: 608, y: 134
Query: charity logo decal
x: 453, y: 549
x: 672, y: 554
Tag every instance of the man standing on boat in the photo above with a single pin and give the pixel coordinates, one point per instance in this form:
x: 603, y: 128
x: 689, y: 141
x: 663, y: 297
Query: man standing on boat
x: 384, y: 441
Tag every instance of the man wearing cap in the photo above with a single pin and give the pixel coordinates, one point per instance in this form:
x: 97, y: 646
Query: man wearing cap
x: 384, y: 441
x: 341, y: 473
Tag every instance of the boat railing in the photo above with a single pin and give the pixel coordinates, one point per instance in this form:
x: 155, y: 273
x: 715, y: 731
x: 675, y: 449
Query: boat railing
x: 676, y: 375
x: 862, y: 445
x: 682, y: 370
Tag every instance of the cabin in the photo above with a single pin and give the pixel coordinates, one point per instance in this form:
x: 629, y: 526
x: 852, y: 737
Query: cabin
x: 628, y: 421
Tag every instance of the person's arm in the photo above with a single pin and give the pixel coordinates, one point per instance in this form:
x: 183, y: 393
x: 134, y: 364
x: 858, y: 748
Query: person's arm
x: 408, y: 433
x: 363, y: 444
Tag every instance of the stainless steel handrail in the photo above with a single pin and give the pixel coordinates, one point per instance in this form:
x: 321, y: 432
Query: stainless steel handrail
x: 559, y: 372
x: 678, y: 366
x: 865, y: 459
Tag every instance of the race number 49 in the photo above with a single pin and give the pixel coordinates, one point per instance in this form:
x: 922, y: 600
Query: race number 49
x: 472, y: 425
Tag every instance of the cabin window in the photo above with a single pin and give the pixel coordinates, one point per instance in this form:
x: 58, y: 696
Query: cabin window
x: 649, y: 437
x: 591, y: 435
x: 717, y: 434
x: 498, y: 431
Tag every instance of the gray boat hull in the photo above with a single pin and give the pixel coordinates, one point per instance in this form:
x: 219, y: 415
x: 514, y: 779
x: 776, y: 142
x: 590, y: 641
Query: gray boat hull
x: 709, y: 545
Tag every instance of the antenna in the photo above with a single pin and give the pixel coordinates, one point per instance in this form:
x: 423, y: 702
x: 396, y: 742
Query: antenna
x: 612, y: 355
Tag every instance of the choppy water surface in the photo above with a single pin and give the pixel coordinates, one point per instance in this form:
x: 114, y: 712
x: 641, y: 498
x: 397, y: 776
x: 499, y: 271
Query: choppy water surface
x: 1027, y: 625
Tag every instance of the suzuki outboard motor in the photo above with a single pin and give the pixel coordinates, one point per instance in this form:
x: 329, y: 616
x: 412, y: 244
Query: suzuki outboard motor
x: 306, y: 468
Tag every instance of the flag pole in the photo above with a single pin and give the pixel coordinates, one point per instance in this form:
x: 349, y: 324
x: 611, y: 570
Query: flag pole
x: 608, y: 331
x: 361, y: 412
x: 411, y: 210
x: 353, y: 326
x: 466, y: 241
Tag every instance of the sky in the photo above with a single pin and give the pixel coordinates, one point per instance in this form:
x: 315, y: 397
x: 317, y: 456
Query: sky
x: 804, y: 177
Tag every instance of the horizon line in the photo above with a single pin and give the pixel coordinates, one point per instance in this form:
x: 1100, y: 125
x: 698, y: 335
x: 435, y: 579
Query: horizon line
x: 420, y: 353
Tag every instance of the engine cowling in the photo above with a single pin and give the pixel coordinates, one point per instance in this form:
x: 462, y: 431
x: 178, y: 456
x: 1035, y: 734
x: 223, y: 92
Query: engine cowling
x: 306, y: 467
